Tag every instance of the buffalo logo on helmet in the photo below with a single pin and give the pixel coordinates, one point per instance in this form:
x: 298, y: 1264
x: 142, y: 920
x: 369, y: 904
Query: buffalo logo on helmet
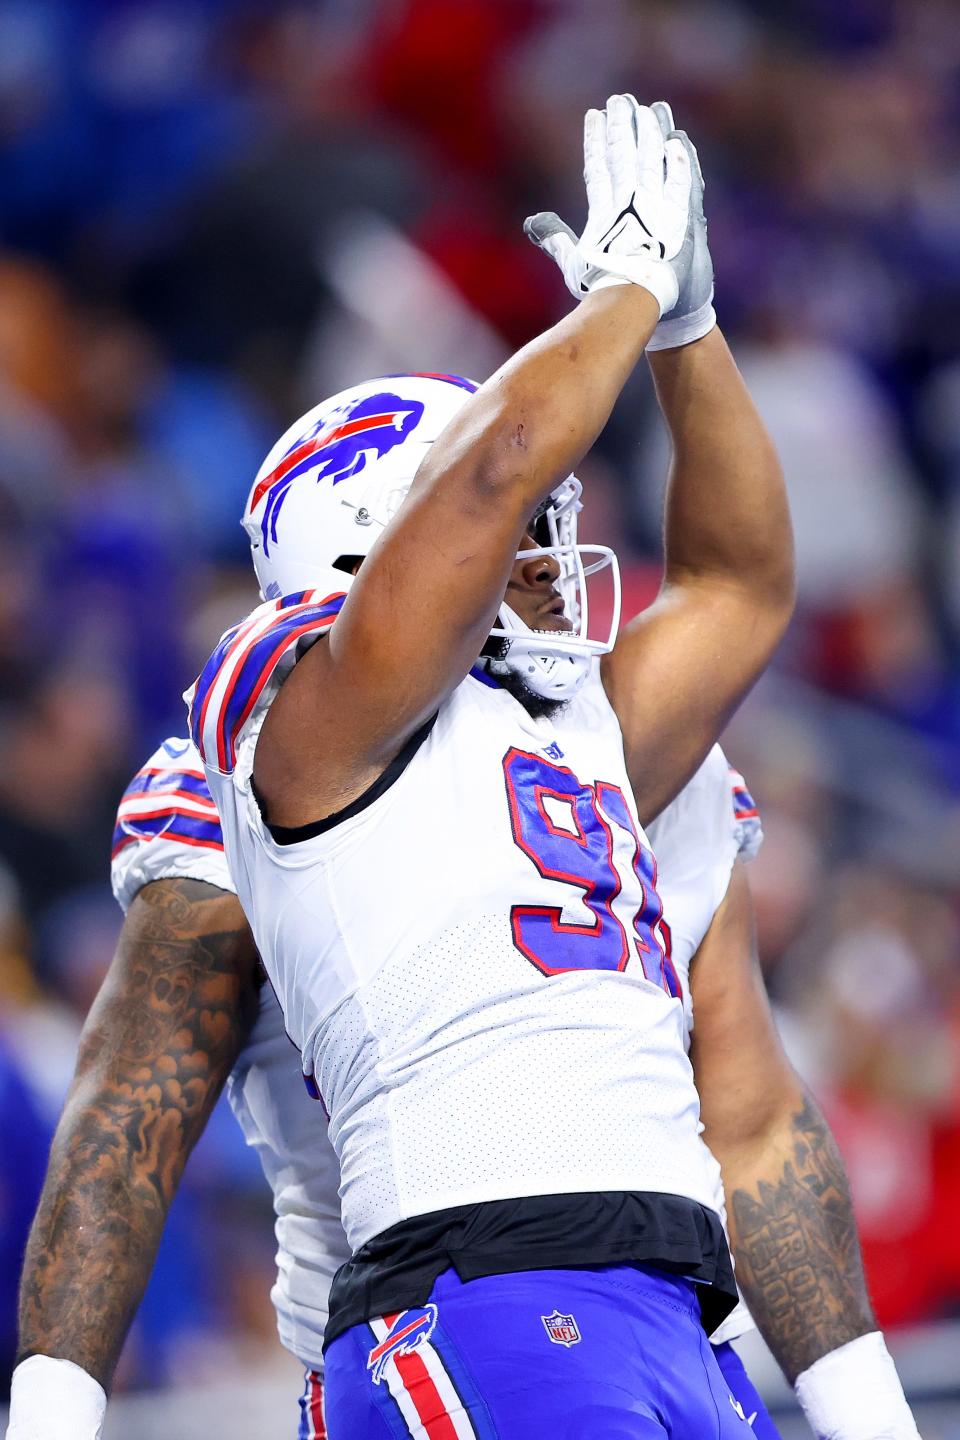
x: 335, y: 448
x: 414, y: 1327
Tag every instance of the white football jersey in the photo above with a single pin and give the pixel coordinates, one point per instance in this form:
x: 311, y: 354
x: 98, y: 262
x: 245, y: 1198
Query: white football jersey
x: 167, y: 827
x: 711, y: 822
x: 471, y: 960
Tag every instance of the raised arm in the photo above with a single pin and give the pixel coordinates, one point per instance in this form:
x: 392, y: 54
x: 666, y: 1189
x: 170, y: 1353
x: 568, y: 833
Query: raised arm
x: 681, y: 667
x: 792, y: 1227
x: 161, y: 1038
x: 423, y: 604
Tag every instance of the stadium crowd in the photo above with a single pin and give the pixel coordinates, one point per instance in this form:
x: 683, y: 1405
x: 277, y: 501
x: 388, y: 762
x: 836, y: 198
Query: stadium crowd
x: 214, y: 212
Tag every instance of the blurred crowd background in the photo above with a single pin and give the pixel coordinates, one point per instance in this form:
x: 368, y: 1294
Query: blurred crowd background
x: 215, y: 212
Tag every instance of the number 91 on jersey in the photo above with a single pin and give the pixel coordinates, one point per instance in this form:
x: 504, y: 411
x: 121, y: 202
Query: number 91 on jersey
x: 566, y: 829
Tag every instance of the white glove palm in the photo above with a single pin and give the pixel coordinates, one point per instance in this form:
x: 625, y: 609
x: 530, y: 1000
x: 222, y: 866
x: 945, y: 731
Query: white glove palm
x: 645, y: 223
x: 638, y: 196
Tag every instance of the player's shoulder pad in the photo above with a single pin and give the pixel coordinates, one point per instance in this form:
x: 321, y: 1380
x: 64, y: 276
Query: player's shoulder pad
x: 746, y: 816
x: 259, y: 650
x: 167, y: 825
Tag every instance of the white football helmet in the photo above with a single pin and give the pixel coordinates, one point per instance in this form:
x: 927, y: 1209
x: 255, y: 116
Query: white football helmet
x: 337, y: 477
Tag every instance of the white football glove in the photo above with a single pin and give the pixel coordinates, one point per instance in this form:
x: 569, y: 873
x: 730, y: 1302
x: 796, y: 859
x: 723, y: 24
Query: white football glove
x: 693, y: 315
x: 638, y: 197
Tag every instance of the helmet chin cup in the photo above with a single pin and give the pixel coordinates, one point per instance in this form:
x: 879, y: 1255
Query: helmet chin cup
x: 554, y: 677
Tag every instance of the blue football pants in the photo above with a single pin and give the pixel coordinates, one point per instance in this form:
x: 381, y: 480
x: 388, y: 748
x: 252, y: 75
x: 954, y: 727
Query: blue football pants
x: 745, y: 1393
x: 594, y: 1354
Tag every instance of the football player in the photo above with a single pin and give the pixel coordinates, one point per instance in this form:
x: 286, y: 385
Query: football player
x: 431, y: 796
x: 372, y: 730
x: 185, y: 1004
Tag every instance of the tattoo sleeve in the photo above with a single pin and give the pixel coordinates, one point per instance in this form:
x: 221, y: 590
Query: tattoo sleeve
x: 797, y: 1253
x: 160, y: 1040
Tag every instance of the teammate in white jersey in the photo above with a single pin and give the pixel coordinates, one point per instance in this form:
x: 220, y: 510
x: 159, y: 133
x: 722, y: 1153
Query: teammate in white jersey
x: 82, y: 1283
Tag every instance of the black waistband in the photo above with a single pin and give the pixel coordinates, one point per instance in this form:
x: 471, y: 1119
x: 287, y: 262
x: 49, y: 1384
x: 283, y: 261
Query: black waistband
x: 398, y: 1268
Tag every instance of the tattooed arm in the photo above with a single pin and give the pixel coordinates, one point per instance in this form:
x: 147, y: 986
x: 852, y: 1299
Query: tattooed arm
x: 160, y: 1040
x: 792, y: 1229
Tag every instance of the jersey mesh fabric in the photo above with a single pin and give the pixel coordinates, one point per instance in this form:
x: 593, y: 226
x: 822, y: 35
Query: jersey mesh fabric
x: 399, y: 917
x: 696, y: 841
x: 712, y: 823
x: 288, y: 1130
x: 436, y: 1163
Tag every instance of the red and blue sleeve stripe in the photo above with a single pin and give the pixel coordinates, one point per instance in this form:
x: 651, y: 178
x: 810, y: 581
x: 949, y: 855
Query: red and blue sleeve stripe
x: 744, y: 805
x: 176, y: 804
x: 168, y: 824
x: 253, y: 654
x: 167, y: 782
x: 205, y: 681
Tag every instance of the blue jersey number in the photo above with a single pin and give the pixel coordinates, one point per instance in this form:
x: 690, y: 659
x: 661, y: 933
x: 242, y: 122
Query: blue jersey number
x: 564, y: 827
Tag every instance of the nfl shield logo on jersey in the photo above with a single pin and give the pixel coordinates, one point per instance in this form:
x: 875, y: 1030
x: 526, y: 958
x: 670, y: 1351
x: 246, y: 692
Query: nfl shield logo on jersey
x: 562, y: 1329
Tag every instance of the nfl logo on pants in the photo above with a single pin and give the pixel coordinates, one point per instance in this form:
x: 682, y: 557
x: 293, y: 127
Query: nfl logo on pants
x: 562, y: 1329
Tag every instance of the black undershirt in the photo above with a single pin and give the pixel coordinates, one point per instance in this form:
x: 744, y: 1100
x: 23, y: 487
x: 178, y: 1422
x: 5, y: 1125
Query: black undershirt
x: 398, y: 1268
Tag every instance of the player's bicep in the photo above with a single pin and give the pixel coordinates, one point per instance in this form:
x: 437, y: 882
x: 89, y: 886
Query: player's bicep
x: 742, y: 1073
x: 425, y: 599
x: 172, y: 1014
x: 676, y: 675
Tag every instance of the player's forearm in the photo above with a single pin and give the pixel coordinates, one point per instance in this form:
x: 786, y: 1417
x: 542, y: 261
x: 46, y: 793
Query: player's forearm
x: 534, y: 420
x: 794, y: 1239
x: 727, y: 516
x: 96, y: 1233
x: 160, y: 1041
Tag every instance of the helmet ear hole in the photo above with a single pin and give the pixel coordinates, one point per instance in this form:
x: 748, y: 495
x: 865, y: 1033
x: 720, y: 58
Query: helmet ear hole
x: 349, y: 564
